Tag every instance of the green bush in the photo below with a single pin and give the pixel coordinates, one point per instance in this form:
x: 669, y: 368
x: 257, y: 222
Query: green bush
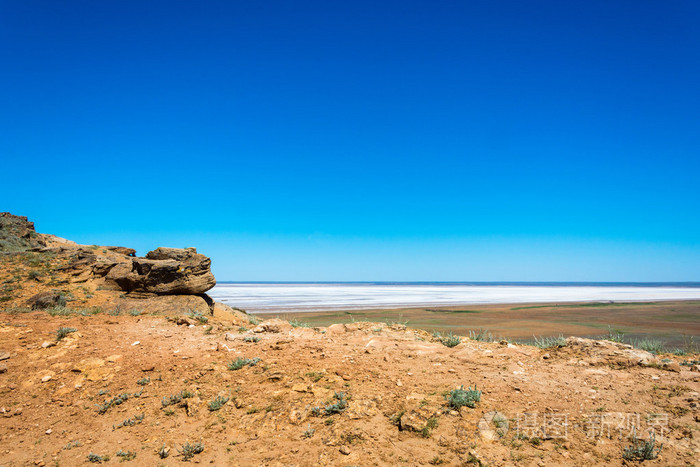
x: 482, y: 335
x: 463, y: 397
x: 176, y: 398
x: 642, y: 450
x: 339, y: 406
x: 96, y: 458
x: 549, y: 342
x: 241, y: 362
x: 198, y: 316
x: 109, y: 403
x: 654, y: 346
x: 126, y: 456
x: 63, y: 332
x: 450, y: 340
x: 614, y: 335
x: 217, y: 403
x: 188, y: 450
x: 299, y: 324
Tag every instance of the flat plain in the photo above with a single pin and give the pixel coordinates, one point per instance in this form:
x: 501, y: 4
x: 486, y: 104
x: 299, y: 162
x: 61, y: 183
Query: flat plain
x: 673, y: 322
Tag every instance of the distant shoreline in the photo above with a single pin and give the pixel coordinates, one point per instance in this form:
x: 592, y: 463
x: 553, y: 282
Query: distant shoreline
x: 691, y: 284
x: 279, y: 297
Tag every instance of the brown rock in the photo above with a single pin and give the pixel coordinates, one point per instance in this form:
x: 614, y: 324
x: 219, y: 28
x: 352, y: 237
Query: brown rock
x: 276, y: 376
x: 192, y: 406
x: 344, y: 450
x: 165, y: 271
x: 122, y: 250
x: 273, y: 325
x: 3, y: 367
x: 416, y: 419
x: 48, y: 299
x: 337, y: 328
x: 17, y: 233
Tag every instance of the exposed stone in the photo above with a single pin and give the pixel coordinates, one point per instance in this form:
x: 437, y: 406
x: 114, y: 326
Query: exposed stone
x: 17, y: 233
x: 48, y: 299
x: 273, y: 325
x: 4, y: 355
x: 337, y: 328
x: 3, y: 367
x: 416, y: 419
x: 192, y: 406
x: 607, y: 352
x: 165, y: 271
x: 122, y: 250
x: 276, y: 376
x: 47, y: 344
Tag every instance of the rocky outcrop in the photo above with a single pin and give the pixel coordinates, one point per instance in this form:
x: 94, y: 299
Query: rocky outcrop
x: 165, y: 271
x: 122, y: 250
x: 17, y: 233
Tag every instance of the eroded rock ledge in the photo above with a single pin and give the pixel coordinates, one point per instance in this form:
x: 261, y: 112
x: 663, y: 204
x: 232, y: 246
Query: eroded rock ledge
x: 104, y: 276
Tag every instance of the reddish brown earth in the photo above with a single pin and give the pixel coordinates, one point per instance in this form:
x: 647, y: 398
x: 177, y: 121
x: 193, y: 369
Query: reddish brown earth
x: 384, y: 371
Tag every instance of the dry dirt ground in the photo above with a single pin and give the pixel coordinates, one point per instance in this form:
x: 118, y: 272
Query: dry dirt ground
x: 574, y: 405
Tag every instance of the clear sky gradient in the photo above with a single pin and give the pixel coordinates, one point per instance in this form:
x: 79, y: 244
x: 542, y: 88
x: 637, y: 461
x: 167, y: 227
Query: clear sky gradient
x: 398, y: 140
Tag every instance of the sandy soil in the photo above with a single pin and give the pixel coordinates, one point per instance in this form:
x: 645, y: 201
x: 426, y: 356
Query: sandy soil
x: 395, y: 381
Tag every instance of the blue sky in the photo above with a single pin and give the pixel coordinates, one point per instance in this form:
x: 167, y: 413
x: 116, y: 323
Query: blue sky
x: 402, y: 140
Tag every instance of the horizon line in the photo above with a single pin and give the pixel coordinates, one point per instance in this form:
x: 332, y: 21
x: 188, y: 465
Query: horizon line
x: 648, y: 283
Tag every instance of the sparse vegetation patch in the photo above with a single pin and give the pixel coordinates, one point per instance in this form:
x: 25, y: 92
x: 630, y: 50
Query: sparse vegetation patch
x: 188, y: 450
x: 217, y: 403
x: 62, y: 332
x: 549, y: 342
x: 463, y: 397
x: 241, y: 362
x: 641, y: 450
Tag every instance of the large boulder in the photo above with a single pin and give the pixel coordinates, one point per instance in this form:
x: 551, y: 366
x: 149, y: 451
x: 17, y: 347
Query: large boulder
x: 165, y: 271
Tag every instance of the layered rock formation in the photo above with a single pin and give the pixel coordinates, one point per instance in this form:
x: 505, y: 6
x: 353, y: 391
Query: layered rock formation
x: 115, y: 274
x: 164, y: 271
